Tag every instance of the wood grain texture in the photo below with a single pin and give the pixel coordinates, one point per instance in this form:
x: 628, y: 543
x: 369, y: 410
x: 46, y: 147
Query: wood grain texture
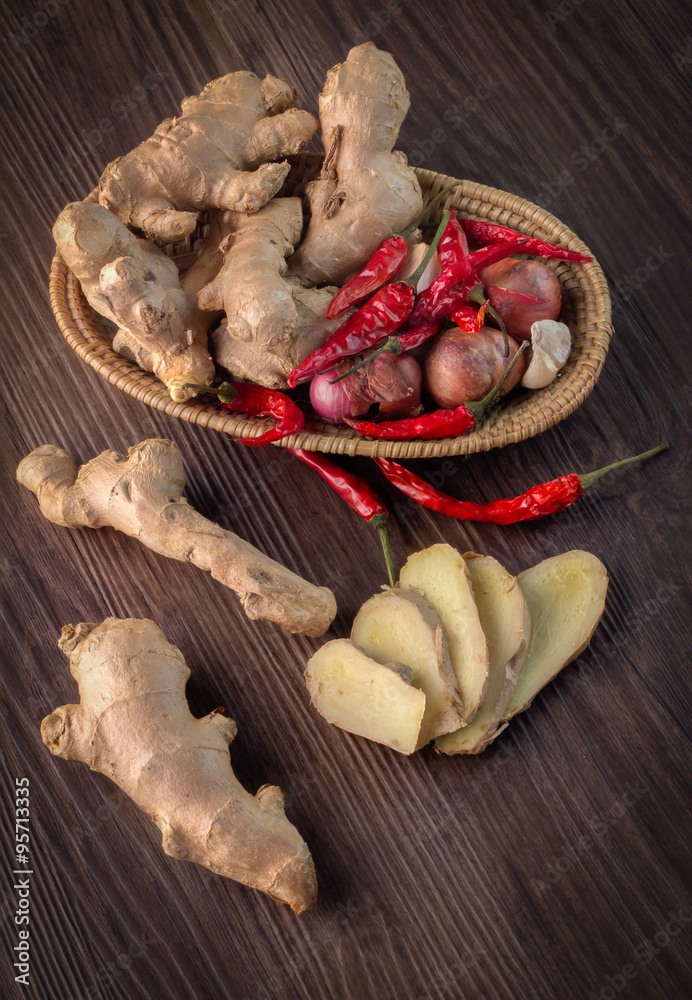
x: 540, y: 868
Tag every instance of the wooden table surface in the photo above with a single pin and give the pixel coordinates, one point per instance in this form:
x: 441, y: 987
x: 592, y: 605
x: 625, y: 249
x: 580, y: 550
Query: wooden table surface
x: 556, y: 864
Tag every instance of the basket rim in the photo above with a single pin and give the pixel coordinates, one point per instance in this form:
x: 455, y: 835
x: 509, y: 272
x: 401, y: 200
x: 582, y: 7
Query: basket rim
x: 86, y: 335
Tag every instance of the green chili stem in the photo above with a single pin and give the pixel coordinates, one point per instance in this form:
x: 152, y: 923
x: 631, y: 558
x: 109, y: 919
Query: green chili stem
x: 416, y: 224
x: 588, y: 478
x: 225, y: 392
x: 477, y: 409
x: 379, y: 523
x: 390, y: 346
x: 418, y: 273
x: 477, y: 295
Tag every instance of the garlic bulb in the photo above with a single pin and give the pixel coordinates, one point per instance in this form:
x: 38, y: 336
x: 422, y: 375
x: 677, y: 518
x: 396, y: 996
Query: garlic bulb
x: 550, y: 346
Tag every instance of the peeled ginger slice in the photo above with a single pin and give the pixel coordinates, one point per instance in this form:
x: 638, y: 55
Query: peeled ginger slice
x: 401, y: 626
x: 440, y: 573
x: 565, y: 596
x: 506, y: 623
x: 364, y: 697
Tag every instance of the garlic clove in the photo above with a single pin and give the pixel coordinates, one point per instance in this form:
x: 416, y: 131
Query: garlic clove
x: 413, y: 259
x: 550, y: 346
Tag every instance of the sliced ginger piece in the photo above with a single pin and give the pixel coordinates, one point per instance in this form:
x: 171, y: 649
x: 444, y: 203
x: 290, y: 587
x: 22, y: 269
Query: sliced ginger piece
x: 440, y: 573
x: 506, y: 623
x: 401, y: 627
x: 565, y: 596
x: 364, y: 697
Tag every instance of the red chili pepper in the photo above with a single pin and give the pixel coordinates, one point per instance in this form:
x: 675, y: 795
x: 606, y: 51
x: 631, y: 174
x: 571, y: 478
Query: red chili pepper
x: 379, y: 317
x: 504, y: 298
x: 384, y: 313
x: 482, y: 233
x: 469, y: 267
x: 439, y: 423
x: 467, y: 318
x: 407, y: 340
x: 453, y: 244
x: 260, y: 402
x: 382, y: 266
x: 357, y: 494
x: 446, y: 292
x: 539, y: 501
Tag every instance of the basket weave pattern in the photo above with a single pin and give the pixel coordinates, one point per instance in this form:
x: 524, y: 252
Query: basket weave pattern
x: 520, y: 416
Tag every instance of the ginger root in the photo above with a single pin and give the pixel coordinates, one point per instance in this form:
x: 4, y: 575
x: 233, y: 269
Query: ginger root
x: 216, y: 154
x: 271, y: 364
x: 366, y: 192
x: 136, y: 286
x: 141, y: 495
x: 133, y: 724
x: 249, y: 286
x: 208, y: 254
x: 270, y: 325
x: 504, y: 637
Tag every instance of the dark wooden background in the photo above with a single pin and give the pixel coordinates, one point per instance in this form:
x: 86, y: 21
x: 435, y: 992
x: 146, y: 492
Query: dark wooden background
x: 548, y: 867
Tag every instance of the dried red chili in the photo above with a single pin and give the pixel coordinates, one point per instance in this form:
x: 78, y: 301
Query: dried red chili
x: 386, y: 311
x: 357, y: 494
x: 407, y: 340
x: 467, y: 318
x: 416, y: 336
x: 448, y: 291
x: 382, y: 266
x: 453, y: 244
x: 439, y: 423
x: 482, y: 233
x: 260, y: 402
x: 539, y: 501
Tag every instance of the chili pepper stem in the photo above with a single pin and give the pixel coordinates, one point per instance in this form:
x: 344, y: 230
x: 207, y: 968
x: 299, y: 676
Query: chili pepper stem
x: 588, y: 478
x: 418, y: 273
x: 477, y: 295
x: 391, y: 346
x: 478, y: 409
x: 416, y: 224
x: 225, y: 392
x: 379, y: 523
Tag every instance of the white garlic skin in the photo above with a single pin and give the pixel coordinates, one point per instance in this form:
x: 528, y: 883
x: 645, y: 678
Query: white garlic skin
x: 550, y: 346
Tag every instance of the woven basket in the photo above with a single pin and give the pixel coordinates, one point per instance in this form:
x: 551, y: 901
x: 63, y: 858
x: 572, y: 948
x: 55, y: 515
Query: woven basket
x: 520, y: 416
